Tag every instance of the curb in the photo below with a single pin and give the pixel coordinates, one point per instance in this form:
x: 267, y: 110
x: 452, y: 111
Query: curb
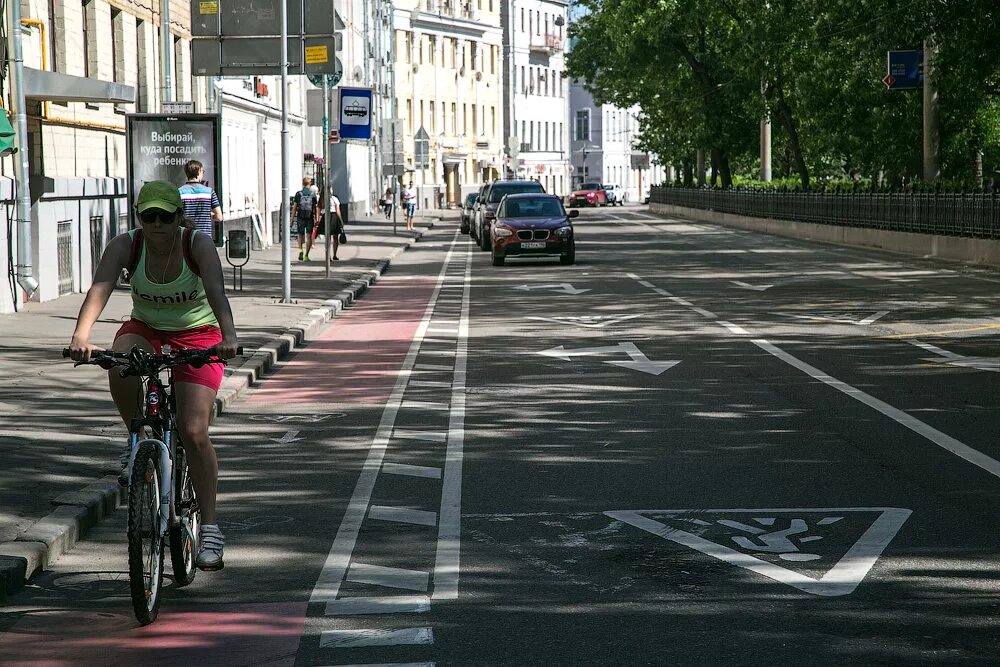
x: 78, y: 511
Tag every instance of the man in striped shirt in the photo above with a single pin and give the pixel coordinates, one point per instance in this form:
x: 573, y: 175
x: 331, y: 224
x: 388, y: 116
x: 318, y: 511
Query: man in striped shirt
x: 201, y: 204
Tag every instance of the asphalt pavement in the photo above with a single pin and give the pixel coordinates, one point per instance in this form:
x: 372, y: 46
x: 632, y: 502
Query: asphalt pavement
x: 59, y: 435
x: 694, y: 446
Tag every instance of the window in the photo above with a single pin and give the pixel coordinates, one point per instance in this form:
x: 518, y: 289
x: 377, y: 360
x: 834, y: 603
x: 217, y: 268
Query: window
x: 88, y: 13
x: 522, y: 19
x: 409, y: 115
x: 475, y: 123
x: 116, y: 51
x: 582, y: 125
x: 53, y: 63
x: 431, y: 49
x: 524, y: 131
x: 140, y: 63
x: 473, y: 55
x: 454, y: 119
x: 523, y: 81
x: 531, y: 134
x: 538, y: 22
x: 531, y: 22
x: 546, y: 135
x: 493, y: 60
x: 408, y: 47
x: 433, y: 117
x: 465, y: 119
x: 493, y: 119
x: 422, y: 117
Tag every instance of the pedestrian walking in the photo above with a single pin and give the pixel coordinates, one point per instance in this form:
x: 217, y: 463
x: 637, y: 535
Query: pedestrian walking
x: 201, y: 203
x: 338, y: 222
x: 410, y: 205
x: 387, y: 199
x: 172, y: 261
x: 305, y: 212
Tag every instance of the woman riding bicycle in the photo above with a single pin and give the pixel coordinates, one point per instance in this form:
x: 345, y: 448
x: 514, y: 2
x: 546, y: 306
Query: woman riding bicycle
x: 176, y: 302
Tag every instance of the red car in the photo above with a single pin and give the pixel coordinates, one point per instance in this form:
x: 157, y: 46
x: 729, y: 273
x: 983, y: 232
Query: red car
x: 589, y: 194
x: 532, y: 225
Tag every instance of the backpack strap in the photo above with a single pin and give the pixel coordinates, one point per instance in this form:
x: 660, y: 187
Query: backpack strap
x: 135, y: 253
x: 187, y: 243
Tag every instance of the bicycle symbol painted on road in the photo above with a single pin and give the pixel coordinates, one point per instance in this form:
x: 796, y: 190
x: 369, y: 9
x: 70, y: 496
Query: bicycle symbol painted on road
x: 291, y: 419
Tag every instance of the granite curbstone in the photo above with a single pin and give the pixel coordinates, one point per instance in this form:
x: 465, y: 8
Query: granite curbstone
x: 19, y: 562
x: 61, y: 529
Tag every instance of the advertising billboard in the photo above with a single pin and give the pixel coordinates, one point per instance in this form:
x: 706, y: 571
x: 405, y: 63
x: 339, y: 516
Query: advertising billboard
x: 159, y: 146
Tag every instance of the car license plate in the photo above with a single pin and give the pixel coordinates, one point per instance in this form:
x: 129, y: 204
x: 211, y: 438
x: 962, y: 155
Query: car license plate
x: 532, y: 245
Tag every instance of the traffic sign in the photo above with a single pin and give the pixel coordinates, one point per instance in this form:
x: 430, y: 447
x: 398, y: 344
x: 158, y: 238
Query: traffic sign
x: 355, y: 113
x: 905, y: 70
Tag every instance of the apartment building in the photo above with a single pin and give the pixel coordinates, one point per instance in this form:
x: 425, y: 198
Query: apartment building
x: 603, y: 146
x: 448, y: 96
x: 88, y: 63
x: 536, y: 92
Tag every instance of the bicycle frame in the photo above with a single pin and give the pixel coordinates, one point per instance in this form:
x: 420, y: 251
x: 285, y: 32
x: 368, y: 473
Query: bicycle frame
x: 158, y: 418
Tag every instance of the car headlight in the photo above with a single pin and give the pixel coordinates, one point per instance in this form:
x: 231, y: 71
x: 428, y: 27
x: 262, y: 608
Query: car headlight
x: 564, y: 232
x: 502, y: 231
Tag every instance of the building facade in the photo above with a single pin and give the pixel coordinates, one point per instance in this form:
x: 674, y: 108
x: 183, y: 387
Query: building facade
x: 448, y: 60
x: 603, y: 147
x: 536, y: 92
x: 87, y: 65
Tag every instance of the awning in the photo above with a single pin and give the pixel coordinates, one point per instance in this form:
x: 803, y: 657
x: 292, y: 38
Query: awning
x: 58, y: 87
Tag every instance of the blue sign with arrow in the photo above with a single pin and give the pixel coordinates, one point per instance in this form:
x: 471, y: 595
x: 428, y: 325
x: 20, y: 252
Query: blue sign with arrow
x: 905, y: 70
x: 355, y: 113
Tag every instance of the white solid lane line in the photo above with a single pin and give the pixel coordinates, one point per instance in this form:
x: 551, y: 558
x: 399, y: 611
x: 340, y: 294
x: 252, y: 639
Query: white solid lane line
x: 337, y: 561
x: 392, y: 577
x: 448, y: 558
x: 943, y: 440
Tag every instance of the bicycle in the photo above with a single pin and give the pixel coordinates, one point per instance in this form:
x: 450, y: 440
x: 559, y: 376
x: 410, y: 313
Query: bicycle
x: 162, y: 503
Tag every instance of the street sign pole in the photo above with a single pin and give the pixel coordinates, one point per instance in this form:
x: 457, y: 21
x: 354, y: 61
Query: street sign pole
x: 392, y: 106
x: 286, y: 243
x: 327, y: 199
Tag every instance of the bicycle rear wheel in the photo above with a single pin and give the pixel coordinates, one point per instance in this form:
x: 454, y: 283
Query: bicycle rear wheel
x: 145, y: 544
x: 184, y: 535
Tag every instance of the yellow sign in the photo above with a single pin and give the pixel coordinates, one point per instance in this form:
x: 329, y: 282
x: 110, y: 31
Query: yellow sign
x: 316, y: 55
x: 208, y: 8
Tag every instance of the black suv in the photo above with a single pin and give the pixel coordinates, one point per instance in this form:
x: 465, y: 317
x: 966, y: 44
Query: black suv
x: 489, y: 200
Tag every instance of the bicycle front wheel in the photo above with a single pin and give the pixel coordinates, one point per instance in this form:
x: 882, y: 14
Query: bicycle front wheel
x: 145, y: 543
x: 184, y: 531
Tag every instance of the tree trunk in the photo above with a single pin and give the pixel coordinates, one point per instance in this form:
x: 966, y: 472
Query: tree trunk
x: 776, y: 89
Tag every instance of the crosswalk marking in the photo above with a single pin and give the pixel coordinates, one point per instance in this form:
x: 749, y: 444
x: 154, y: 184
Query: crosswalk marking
x: 411, y: 470
x: 393, y: 577
x: 390, y: 604
x: 424, y: 436
x: 403, y: 515
x: 425, y: 405
x: 364, y: 638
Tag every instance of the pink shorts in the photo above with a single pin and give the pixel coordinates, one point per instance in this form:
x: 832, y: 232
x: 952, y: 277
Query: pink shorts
x: 199, y: 338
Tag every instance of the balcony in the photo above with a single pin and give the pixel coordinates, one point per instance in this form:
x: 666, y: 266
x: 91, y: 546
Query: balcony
x: 547, y: 43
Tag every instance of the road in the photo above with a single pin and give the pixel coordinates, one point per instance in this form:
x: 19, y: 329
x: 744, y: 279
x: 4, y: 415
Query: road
x: 695, y: 446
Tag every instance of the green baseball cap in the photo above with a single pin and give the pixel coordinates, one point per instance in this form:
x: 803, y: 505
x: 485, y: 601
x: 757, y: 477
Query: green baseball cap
x: 158, y: 194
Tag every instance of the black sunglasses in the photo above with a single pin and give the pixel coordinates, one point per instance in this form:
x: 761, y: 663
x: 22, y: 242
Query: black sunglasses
x: 151, y: 215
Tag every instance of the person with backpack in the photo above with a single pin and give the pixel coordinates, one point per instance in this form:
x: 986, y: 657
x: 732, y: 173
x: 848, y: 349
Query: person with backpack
x: 178, y: 299
x: 305, y: 213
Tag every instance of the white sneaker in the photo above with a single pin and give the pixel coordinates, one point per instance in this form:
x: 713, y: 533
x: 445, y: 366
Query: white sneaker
x: 210, y: 544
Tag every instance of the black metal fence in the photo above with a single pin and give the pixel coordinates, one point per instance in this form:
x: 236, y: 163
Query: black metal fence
x: 974, y: 215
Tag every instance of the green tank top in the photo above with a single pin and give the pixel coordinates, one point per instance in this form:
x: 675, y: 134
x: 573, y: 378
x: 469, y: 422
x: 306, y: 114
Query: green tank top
x: 174, y: 306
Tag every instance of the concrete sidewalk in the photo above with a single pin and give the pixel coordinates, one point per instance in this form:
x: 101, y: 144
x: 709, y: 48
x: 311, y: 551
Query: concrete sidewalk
x: 59, y: 432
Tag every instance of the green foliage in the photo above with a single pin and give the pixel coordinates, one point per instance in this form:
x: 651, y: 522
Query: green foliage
x: 706, y: 72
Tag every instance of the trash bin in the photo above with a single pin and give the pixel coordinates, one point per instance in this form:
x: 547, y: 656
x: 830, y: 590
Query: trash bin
x: 238, y: 247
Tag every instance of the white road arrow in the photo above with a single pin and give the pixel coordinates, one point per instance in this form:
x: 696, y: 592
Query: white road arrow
x: 991, y: 364
x: 287, y: 438
x: 756, y: 288
x: 565, y: 288
x: 639, y: 361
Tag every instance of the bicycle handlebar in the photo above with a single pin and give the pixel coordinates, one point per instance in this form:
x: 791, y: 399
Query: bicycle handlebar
x: 152, y: 362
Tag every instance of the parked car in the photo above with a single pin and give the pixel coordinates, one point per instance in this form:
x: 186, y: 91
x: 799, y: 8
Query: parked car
x: 470, y: 201
x: 476, y: 205
x: 532, y: 225
x: 615, y: 194
x: 490, y: 200
x: 589, y: 194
